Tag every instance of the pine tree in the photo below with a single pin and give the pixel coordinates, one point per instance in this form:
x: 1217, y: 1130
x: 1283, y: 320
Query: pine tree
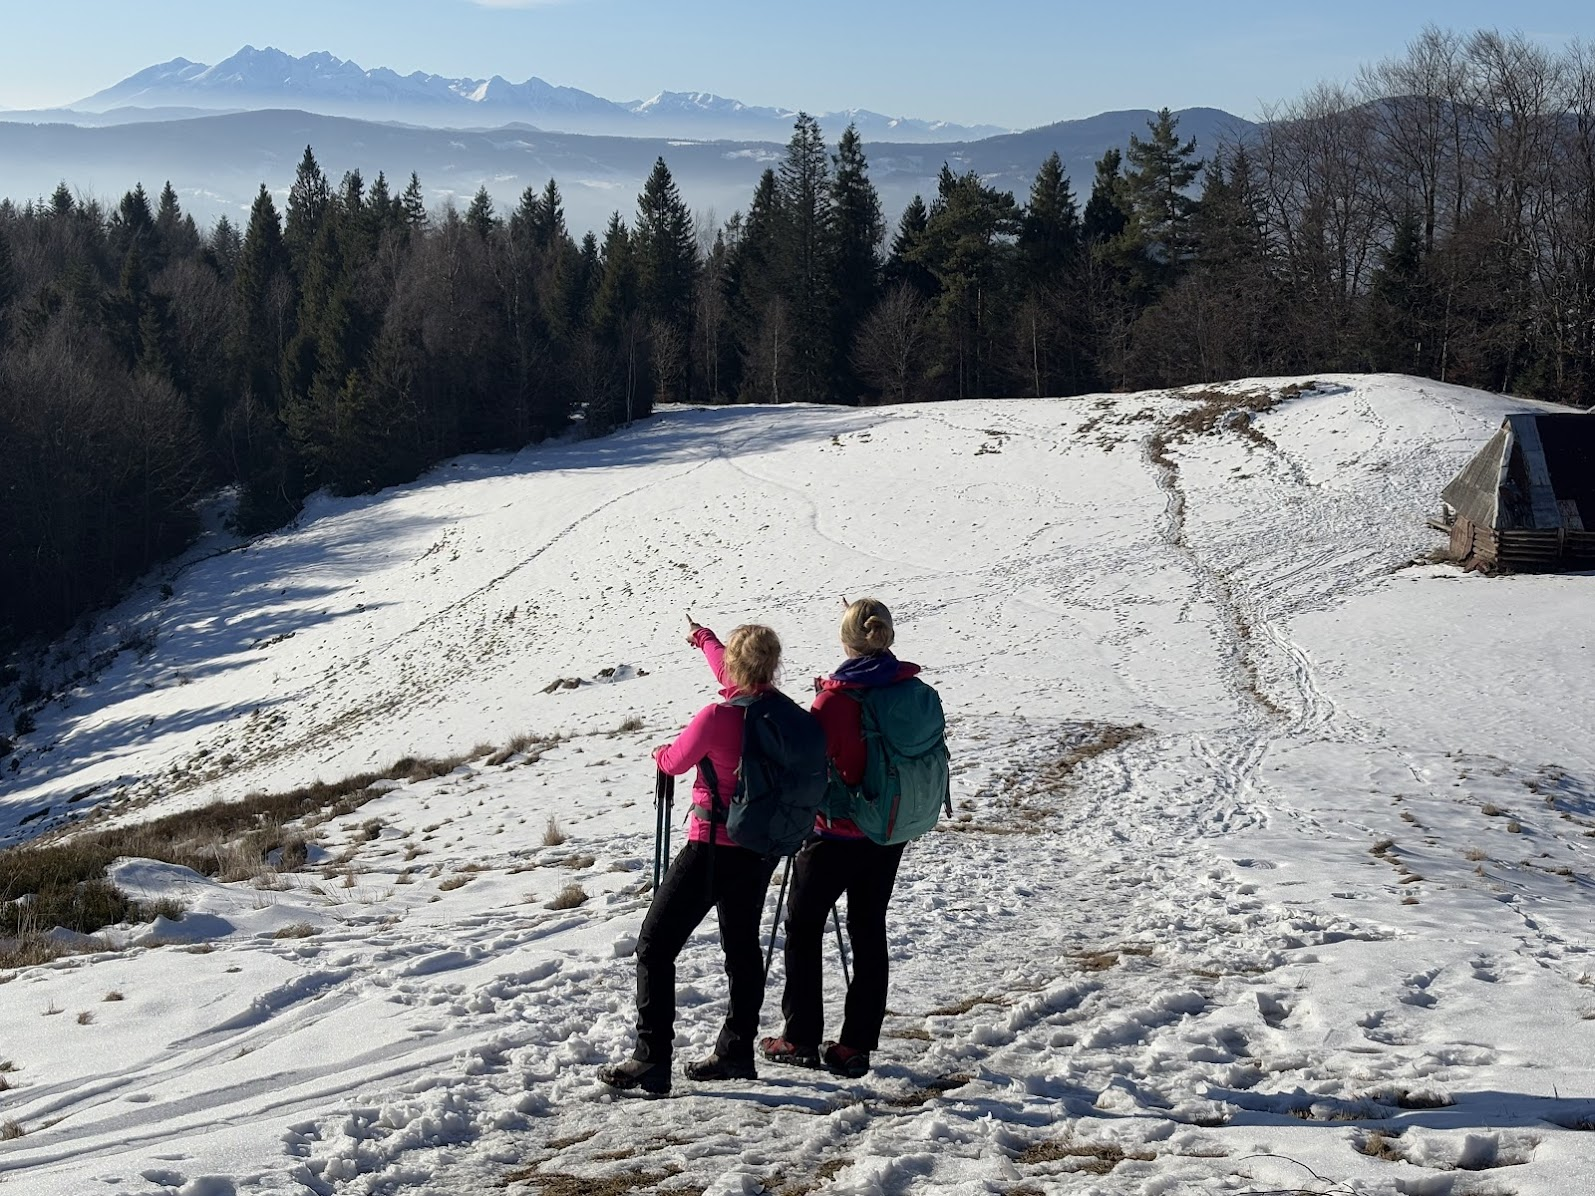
x: 309, y: 199
x: 8, y: 286
x: 1401, y: 303
x: 617, y: 333
x: 806, y: 260
x: 1049, y: 235
x: 1045, y: 356
x: 903, y: 262
x: 479, y: 216
x: 413, y: 203
x: 1106, y: 212
x: 264, y: 298
x: 667, y: 270
x: 967, y: 242
x: 132, y: 225
x: 857, y: 229
x: 224, y: 248
x: 1157, y: 185
x: 756, y: 307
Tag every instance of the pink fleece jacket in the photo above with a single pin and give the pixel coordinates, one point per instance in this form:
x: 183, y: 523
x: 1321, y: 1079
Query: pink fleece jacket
x: 715, y: 732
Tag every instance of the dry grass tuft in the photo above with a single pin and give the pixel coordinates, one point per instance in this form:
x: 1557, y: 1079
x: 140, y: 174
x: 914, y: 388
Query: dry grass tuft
x: 963, y: 1006
x: 577, y: 863
x: 915, y: 1097
x: 1097, y: 961
x: 113, y: 995
x: 10, y: 1131
x: 1098, y: 1158
x: 573, y: 1140
x: 226, y: 840
x: 569, y: 898
x: 456, y: 881
x: 552, y: 835
x: 631, y: 724
x: 560, y: 1183
x: 296, y: 930
x: 1381, y: 1144
x: 86, y: 1017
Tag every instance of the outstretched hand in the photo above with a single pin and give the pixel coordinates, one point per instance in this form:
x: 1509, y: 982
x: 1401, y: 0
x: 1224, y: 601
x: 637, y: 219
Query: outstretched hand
x: 693, y: 627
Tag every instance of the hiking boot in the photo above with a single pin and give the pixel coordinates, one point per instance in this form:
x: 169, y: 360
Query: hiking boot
x: 779, y: 1050
x: 714, y: 1067
x: 653, y: 1078
x: 845, y: 1061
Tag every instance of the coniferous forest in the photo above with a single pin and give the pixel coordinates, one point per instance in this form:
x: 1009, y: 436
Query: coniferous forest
x: 1436, y: 217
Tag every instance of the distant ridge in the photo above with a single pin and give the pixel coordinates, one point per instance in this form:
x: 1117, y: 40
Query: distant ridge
x: 332, y: 86
x: 217, y: 161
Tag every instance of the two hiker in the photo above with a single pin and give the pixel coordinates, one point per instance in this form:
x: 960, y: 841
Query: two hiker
x: 838, y: 856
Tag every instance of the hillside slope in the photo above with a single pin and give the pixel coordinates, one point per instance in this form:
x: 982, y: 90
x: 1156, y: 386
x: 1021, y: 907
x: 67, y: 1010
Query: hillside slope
x: 1271, y: 867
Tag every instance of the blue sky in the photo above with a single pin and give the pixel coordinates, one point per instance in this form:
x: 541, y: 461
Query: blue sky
x: 1016, y: 64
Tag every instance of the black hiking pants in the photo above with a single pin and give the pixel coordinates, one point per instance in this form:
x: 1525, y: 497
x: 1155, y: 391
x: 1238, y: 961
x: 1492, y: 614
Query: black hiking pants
x: 740, y: 880
x: 823, y: 870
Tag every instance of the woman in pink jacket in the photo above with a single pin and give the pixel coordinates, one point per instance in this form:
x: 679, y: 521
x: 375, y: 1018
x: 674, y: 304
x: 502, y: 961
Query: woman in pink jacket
x: 711, y: 871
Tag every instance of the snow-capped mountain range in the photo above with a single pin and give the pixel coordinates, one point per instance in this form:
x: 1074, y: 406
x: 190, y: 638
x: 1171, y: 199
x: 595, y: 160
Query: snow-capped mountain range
x: 334, y: 86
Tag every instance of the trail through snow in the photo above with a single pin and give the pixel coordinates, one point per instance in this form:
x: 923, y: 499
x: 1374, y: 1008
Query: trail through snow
x: 1270, y: 869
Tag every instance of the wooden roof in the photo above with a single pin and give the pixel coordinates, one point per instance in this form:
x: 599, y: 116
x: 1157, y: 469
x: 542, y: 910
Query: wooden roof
x: 1536, y: 473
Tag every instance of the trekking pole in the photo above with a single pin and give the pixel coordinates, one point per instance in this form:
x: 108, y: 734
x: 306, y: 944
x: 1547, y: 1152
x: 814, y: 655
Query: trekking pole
x: 769, y: 952
x: 664, y: 796
x: 841, y: 947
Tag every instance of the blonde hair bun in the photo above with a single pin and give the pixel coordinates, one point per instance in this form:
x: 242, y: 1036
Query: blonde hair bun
x: 867, y: 627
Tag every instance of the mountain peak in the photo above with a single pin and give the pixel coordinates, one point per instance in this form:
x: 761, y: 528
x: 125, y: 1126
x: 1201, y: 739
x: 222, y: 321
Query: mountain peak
x: 321, y: 82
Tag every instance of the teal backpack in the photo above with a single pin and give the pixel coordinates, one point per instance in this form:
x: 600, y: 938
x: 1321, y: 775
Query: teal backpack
x: 907, y: 782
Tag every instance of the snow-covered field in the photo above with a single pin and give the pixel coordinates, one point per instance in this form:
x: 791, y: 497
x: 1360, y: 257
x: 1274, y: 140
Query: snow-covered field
x: 1272, y: 868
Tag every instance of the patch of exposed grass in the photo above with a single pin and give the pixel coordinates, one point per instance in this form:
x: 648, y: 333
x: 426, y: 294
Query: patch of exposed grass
x: 560, y: 1183
x: 552, y: 835
x: 577, y: 863
x: 1097, y: 961
x: 1096, y: 1158
x: 963, y: 1006
x: 296, y: 930
x: 915, y: 1097
x: 10, y: 1131
x: 573, y: 1140
x: 454, y: 882
x: 226, y: 840
x: 1381, y: 1144
x: 631, y: 724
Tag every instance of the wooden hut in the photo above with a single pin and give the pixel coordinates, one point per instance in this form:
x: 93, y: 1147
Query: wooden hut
x: 1527, y: 500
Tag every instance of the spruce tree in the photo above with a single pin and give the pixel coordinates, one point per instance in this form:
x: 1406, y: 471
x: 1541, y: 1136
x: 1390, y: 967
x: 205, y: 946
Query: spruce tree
x: 413, y: 203
x: 904, y: 263
x: 1106, y: 212
x: 807, y: 259
x: 309, y: 199
x: 1045, y: 343
x: 667, y: 270
x: 1157, y: 186
x: 479, y: 216
x: 967, y: 243
x: 617, y: 332
x: 8, y: 286
x: 857, y: 229
x: 1049, y: 235
x: 756, y: 306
